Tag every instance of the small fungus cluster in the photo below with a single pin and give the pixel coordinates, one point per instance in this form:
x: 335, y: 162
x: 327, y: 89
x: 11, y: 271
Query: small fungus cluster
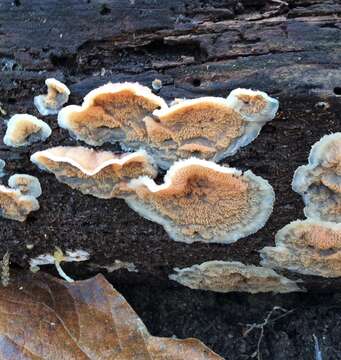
x: 198, y: 200
x: 313, y: 246
x: 20, y: 198
x: 210, y: 128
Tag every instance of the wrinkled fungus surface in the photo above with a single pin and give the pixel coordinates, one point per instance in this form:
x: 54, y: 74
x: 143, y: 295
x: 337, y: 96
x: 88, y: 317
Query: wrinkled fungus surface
x: 27, y: 184
x: 224, y: 276
x: 309, y: 247
x: 210, y: 128
x: 112, y: 113
x: 319, y: 182
x: 25, y: 129
x: 57, y: 95
x: 99, y: 173
x: 202, y: 201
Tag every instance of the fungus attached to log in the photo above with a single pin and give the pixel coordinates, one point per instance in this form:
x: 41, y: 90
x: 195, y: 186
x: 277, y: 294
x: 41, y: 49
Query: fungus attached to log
x: 309, y: 247
x: 224, y: 276
x: 202, y: 201
x: 25, y: 129
x: 57, y: 95
x: 210, y: 128
x: 19, y: 200
x: 27, y: 184
x: 319, y: 182
x: 99, y: 173
x: 112, y: 113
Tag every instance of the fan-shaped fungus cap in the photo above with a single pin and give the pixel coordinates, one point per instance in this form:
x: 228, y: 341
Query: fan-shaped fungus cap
x: 308, y: 247
x: 25, y: 129
x: 319, y: 182
x: 254, y: 106
x: 210, y: 128
x: 225, y: 276
x: 112, y: 113
x: 57, y: 95
x: 202, y: 201
x: 27, y: 184
x: 16, y: 205
x: 100, y: 173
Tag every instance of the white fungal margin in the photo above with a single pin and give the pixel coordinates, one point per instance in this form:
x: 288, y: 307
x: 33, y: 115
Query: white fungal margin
x: 27, y: 184
x: 110, y: 88
x: 260, y: 217
x: 319, y: 182
x: 231, y: 276
x: 119, y: 160
x: 18, y: 134
x: 57, y: 95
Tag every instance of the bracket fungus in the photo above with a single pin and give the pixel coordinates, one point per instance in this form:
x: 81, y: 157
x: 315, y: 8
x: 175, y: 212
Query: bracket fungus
x: 202, y: 201
x: 210, y: 128
x: 18, y: 200
x: 99, y: 173
x: 309, y: 247
x: 57, y: 95
x: 112, y: 113
x: 25, y: 129
x: 27, y: 184
x: 319, y: 182
x: 229, y: 276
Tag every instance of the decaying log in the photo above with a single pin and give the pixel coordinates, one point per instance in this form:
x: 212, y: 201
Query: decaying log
x: 291, y: 50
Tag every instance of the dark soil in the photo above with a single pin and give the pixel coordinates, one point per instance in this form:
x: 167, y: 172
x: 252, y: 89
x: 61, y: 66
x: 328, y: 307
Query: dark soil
x: 220, y: 321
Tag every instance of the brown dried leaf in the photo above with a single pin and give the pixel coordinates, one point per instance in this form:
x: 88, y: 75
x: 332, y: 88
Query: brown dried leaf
x: 43, y: 317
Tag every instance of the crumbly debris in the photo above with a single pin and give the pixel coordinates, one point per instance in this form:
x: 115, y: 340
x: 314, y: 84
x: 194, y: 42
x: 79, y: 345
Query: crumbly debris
x: 309, y: 247
x: 24, y: 130
x: 102, y: 174
x: 202, y: 201
x: 56, y: 258
x: 57, y: 95
x: 116, y: 265
x: 225, y: 276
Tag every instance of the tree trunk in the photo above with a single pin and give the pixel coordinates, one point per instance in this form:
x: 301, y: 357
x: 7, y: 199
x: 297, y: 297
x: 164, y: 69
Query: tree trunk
x: 197, y: 48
